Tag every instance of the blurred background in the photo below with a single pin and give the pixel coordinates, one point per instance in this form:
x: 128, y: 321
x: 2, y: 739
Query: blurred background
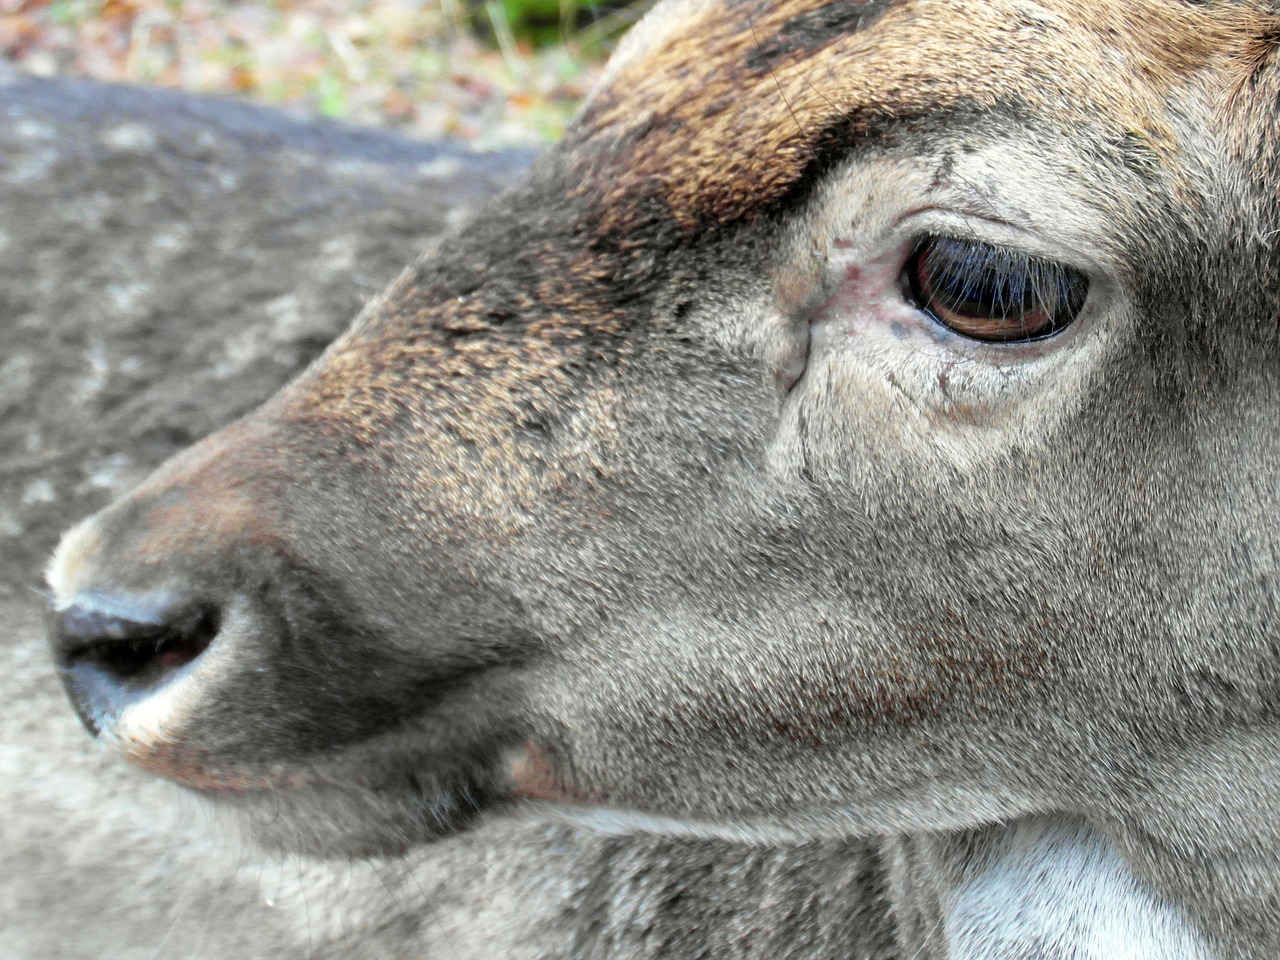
x: 494, y: 72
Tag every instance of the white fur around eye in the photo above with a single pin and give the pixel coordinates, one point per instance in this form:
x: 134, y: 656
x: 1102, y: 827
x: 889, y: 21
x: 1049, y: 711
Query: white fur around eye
x: 891, y: 382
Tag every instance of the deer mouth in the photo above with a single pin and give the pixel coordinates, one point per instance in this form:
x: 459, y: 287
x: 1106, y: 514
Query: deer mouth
x: 404, y: 777
x: 265, y: 708
x: 376, y: 797
x: 347, y: 820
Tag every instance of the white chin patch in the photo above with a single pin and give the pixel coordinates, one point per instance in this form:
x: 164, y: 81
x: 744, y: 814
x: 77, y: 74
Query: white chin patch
x: 1058, y: 891
x: 618, y: 821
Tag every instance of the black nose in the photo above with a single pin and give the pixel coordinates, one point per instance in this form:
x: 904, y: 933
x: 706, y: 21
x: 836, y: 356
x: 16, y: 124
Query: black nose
x: 112, y: 652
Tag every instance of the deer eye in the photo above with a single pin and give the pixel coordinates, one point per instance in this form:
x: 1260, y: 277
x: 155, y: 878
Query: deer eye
x: 992, y: 293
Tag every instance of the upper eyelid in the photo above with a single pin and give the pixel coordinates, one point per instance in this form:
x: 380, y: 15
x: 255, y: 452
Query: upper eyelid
x: 989, y: 255
x: 934, y: 221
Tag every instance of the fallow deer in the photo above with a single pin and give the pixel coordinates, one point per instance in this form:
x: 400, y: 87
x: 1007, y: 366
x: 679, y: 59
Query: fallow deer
x: 859, y: 425
x: 231, y: 242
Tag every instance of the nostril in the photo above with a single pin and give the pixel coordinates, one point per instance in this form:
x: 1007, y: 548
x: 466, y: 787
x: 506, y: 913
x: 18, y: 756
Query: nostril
x: 144, y: 652
x: 110, y: 658
x: 128, y: 647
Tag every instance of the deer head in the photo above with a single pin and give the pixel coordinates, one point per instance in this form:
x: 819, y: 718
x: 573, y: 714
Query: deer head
x: 863, y: 421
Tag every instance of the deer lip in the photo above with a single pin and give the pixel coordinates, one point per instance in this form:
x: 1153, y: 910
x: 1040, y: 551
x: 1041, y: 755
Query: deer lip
x: 359, y: 773
x: 175, y: 762
x: 402, y: 789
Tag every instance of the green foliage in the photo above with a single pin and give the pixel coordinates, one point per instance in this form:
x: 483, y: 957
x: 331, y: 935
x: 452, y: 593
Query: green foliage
x: 542, y: 22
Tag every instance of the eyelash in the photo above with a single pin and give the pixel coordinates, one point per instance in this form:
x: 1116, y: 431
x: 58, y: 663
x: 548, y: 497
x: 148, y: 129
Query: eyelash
x: 992, y: 294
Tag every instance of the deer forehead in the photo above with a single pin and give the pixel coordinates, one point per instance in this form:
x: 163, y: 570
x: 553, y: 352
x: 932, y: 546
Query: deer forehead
x: 713, y: 115
x: 726, y: 103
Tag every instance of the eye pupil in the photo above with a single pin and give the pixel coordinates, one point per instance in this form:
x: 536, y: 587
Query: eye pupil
x: 991, y: 293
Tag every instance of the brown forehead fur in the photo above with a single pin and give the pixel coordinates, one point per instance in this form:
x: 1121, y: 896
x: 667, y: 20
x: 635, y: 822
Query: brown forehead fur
x: 723, y: 113
x: 714, y: 112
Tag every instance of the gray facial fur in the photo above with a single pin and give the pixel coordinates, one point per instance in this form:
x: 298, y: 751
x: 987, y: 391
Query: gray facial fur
x: 623, y: 500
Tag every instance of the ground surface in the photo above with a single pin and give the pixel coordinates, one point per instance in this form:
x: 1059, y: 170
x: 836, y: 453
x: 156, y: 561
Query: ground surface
x: 435, y: 68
